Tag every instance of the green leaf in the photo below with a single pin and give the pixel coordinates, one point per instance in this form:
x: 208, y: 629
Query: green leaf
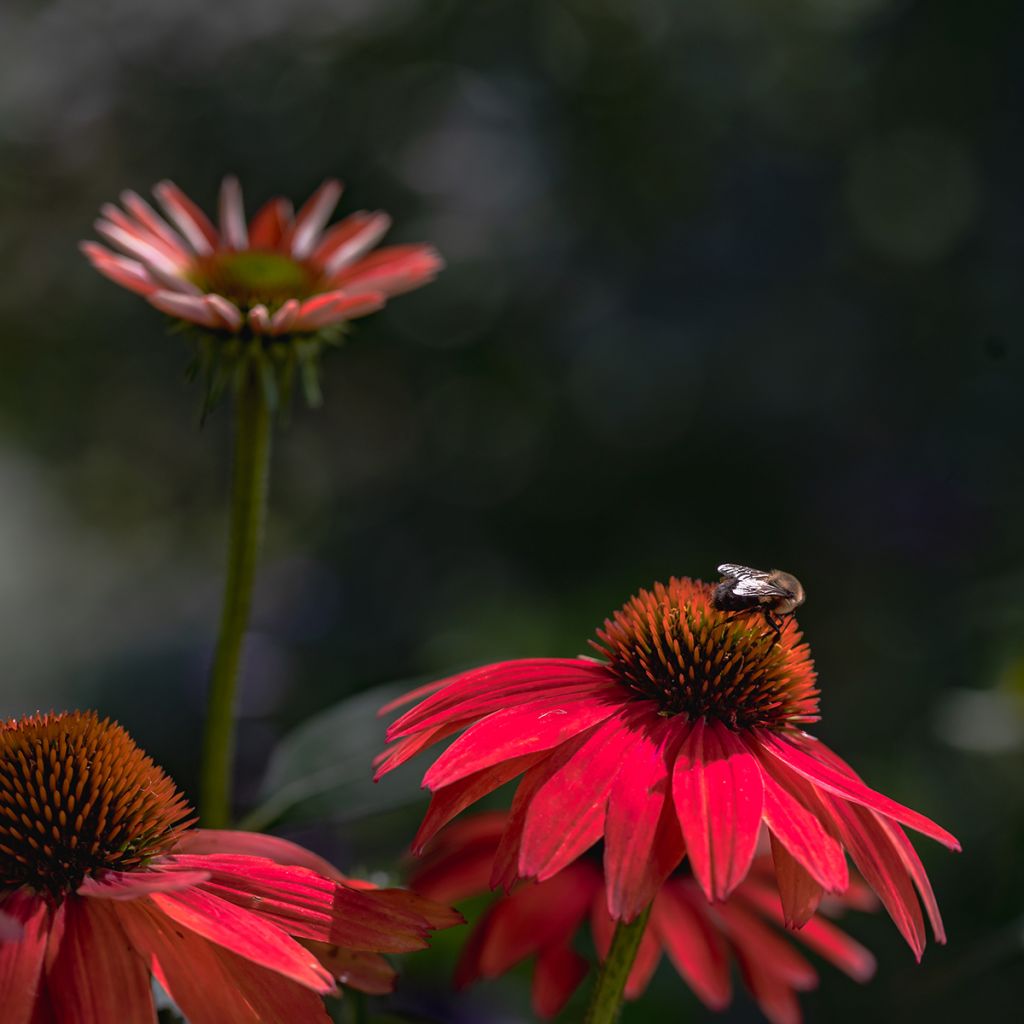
x: 323, y: 769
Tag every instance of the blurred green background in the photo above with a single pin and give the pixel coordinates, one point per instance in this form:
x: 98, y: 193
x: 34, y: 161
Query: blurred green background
x: 726, y: 281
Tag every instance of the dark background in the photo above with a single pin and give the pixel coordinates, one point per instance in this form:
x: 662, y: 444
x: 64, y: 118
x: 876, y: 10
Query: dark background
x: 726, y: 281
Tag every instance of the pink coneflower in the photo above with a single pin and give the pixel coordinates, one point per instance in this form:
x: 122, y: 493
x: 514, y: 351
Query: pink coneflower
x: 541, y: 920
x: 686, y: 737
x: 279, y: 274
x: 110, y: 887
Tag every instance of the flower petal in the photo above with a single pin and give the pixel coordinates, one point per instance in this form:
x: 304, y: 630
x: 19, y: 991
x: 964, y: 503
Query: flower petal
x: 187, y: 217
x: 96, y: 976
x: 255, y: 844
x: 915, y: 869
x: 147, y: 216
x: 141, y: 249
x: 392, y: 270
x: 693, y: 943
x: 315, y: 213
x: 227, y: 313
x: 527, y: 729
x: 259, y: 319
x: 271, y: 222
x: 799, y: 891
x: 349, y: 239
x: 128, y: 273
x: 334, y: 307
x: 566, y: 815
x: 718, y: 793
x: 636, y: 861
x: 130, y: 885
x: 558, y: 974
x: 368, y: 972
x: 21, y: 959
x: 848, y: 786
x: 283, y: 320
x: 245, y: 933
x: 232, y: 214
x: 186, y: 307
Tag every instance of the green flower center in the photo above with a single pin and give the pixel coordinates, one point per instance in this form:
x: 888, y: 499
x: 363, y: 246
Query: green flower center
x: 254, y: 276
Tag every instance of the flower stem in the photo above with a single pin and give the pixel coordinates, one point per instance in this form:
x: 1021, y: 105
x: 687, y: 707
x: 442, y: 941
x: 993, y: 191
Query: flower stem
x: 249, y: 476
x: 606, y: 999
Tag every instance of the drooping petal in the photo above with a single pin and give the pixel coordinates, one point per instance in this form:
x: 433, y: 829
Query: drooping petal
x: 130, y: 885
x: 799, y: 892
x: 232, y: 214
x: 636, y: 862
x: 567, y: 813
x: 915, y: 869
x: 95, y: 975
x: 122, y: 270
x: 527, y: 729
x: 333, y: 307
x: 883, y: 868
x: 368, y: 972
x: 21, y: 959
x: 245, y: 933
x: 227, y: 313
x: 558, y: 974
x: 849, y: 787
x: 349, y: 239
x: 187, y: 217
x: 489, y: 688
x: 270, y: 224
x: 719, y: 796
x: 315, y: 213
x: 694, y: 945
x: 449, y: 801
x: 186, y: 307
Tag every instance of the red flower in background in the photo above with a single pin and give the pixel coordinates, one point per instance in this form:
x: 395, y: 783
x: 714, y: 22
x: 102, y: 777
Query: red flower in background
x: 687, y: 739
x: 278, y: 274
x: 701, y: 939
x: 108, y: 885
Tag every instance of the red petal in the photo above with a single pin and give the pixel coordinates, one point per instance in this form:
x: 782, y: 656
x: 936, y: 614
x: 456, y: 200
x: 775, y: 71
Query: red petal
x: 392, y: 270
x: 333, y: 307
x: 799, y: 829
x: 447, y: 802
x: 883, y: 868
x: 368, y: 972
x: 481, y: 691
x: 96, y: 976
x: 557, y: 975
x: 21, y: 960
x: 648, y: 956
x: 799, y: 892
x: 915, y: 868
x: 528, y: 729
x: 255, y: 844
x: 409, y: 746
x: 245, y: 933
x: 719, y: 795
x: 848, y: 786
x: 349, y: 239
x: 311, y: 218
x: 566, y: 814
x: 269, y: 224
x: 693, y: 944
x: 130, y: 885
x: 187, y: 217
x: 232, y: 214
x: 642, y: 843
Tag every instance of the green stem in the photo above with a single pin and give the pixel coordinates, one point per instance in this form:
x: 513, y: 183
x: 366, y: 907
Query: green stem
x: 606, y: 999
x: 249, y: 475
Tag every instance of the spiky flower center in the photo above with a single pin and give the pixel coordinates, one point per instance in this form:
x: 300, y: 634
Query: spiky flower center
x: 251, y: 277
x: 672, y: 646
x: 77, y: 796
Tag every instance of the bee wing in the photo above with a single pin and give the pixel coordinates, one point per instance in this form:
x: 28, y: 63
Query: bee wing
x: 752, y: 582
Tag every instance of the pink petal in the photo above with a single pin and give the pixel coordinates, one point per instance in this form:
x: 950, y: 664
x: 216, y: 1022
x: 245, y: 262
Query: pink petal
x: 232, y: 214
x: 349, y: 239
x: 635, y: 862
x: 883, y: 868
x: 557, y: 975
x: 315, y: 213
x: 259, y: 319
x: 130, y: 885
x: 143, y: 250
x: 227, y: 313
x: 799, y: 891
x: 172, y: 249
x: 494, y: 687
x: 245, y: 933
x: 693, y: 944
x: 334, y: 307
x: 392, y: 270
x: 566, y: 815
x: 128, y: 273
x: 187, y: 217
x: 799, y: 829
x: 21, y: 959
x: 270, y: 224
x: 186, y: 307
x: 147, y: 216
x: 282, y: 321
x: 849, y: 787
x: 719, y: 796
x: 527, y: 729
x: 96, y: 976
x: 449, y: 801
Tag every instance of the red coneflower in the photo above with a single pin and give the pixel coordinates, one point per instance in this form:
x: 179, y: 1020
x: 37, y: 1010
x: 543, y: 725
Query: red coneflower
x: 109, y: 886
x: 687, y: 737
x: 279, y: 274
x: 541, y: 919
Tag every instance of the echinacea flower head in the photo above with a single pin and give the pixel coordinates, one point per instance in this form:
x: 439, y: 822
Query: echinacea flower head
x: 542, y: 919
x: 104, y: 885
x: 272, y: 290
x: 686, y: 737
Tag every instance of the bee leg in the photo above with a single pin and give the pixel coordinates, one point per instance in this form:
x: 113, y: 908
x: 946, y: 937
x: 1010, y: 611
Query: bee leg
x: 775, y: 623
